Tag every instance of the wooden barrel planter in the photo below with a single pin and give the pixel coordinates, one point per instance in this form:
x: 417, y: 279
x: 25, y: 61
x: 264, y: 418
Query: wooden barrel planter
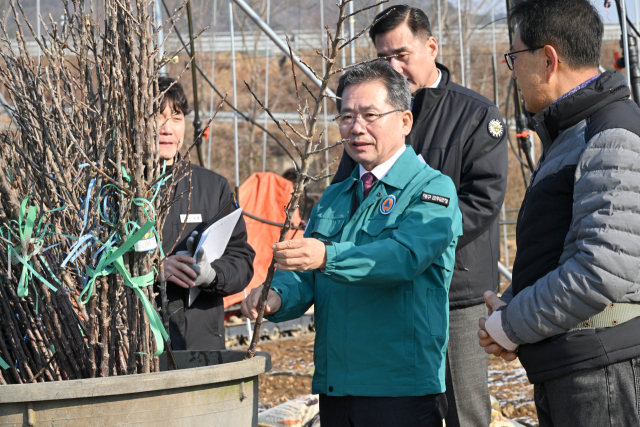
x: 212, y: 388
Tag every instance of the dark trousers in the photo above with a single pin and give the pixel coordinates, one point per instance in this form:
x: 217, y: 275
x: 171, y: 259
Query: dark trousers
x: 358, y: 411
x: 602, y: 397
x: 467, y: 370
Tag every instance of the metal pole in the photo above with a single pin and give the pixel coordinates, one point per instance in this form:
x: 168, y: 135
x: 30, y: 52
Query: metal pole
x: 266, y: 93
x: 352, y: 34
x: 505, y: 272
x: 235, y: 99
x: 279, y: 42
x: 521, y: 118
x: 637, y: 8
x: 197, y: 123
x: 324, y: 101
x: 160, y: 36
x: 8, y: 108
x: 38, y: 31
x: 213, y: 68
x: 462, y: 64
x: 504, y: 235
x: 247, y: 319
x: 440, y: 40
x: 467, y: 57
x: 625, y: 40
x: 343, y: 54
x: 496, y: 98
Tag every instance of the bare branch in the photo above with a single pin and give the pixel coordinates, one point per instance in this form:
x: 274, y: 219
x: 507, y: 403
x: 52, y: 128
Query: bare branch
x: 171, y: 19
x: 364, y: 30
x: 310, y: 69
x: 301, y: 136
x: 293, y: 70
x: 319, y: 140
x: 368, y: 61
x: 279, y: 127
x: 337, y: 144
x: 304, y: 84
x: 365, y: 8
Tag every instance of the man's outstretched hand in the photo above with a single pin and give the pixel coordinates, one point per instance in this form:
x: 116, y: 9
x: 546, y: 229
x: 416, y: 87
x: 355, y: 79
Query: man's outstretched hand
x: 300, y: 255
x: 249, y: 306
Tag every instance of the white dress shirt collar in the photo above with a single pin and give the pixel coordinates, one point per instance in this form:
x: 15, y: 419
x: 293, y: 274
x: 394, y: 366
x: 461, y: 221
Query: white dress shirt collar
x: 435, y: 85
x: 383, y: 169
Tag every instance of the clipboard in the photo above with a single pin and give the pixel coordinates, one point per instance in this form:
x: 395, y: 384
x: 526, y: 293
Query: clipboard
x: 216, y: 238
x: 229, y: 207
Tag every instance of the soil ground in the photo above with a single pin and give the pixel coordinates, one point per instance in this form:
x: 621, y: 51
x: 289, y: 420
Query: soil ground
x: 292, y: 361
x: 291, y: 372
x: 509, y: 385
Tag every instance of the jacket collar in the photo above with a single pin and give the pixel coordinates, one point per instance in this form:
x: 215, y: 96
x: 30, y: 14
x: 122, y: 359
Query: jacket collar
x: 352, y: 180
x: 400, y: 173
x: 398, y: 176
x: 426, y: 98
x: 567, y: 112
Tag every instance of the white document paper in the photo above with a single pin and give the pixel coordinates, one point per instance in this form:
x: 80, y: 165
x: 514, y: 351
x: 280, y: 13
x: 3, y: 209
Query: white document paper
x: 214, y: 240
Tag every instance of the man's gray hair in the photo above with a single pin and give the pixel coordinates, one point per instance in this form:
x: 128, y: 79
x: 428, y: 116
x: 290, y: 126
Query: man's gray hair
x: 398, y: 89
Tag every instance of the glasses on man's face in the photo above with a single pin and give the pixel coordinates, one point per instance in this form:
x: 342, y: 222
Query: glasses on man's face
x: 348, y: 119
x: 509, y: 58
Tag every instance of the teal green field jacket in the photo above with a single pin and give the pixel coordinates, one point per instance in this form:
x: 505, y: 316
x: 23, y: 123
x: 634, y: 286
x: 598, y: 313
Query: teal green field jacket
x: 381, y: 304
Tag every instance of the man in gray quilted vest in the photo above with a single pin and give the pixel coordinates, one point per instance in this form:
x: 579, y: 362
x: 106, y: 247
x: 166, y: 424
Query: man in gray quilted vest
x: 572, y: 313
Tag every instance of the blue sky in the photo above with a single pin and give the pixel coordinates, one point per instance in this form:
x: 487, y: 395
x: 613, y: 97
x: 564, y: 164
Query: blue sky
x: 608, y: 17
x: 612, y: 15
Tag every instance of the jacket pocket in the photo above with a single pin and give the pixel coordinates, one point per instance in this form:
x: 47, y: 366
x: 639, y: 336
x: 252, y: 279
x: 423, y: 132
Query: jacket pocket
x: 374, y: 227
x: 324, y: 227
x: 437, y: 312
x: 409, y: 321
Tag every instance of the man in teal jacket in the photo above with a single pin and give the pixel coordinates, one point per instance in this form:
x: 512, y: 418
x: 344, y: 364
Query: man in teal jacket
x: 376, y: 260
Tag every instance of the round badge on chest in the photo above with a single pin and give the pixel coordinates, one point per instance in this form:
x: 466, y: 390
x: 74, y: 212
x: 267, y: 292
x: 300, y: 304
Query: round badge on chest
x: 387, y: 205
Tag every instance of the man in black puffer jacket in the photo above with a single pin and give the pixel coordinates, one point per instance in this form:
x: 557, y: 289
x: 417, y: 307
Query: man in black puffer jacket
x: 573, y: 309
x: 459, y: 133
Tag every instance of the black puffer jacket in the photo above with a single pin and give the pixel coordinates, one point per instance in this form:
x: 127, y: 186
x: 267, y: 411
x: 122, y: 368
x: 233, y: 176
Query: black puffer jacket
x: 451, y: 129
x: 201, y: 326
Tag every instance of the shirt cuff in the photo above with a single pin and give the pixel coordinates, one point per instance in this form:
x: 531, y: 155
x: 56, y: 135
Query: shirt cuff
x: 332, y: 253
x: 494, y: 328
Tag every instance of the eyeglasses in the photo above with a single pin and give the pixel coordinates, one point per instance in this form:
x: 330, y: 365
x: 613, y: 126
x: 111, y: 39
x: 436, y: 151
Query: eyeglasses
x: 348, y: 119
x: 510, y: 58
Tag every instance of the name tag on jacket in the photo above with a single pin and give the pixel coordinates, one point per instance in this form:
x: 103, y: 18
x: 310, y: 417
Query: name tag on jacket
x: 191, y: 218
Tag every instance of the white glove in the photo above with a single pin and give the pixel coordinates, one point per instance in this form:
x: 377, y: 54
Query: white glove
x: 202, y: 267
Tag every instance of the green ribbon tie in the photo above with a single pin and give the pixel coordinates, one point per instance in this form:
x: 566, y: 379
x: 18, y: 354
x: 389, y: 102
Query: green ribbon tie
x: 110, y: 262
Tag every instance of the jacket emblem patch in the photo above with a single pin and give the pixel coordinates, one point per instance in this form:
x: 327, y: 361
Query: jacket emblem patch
x: 496, y: 129
x: 387, y: 205
x: 438, y: 200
